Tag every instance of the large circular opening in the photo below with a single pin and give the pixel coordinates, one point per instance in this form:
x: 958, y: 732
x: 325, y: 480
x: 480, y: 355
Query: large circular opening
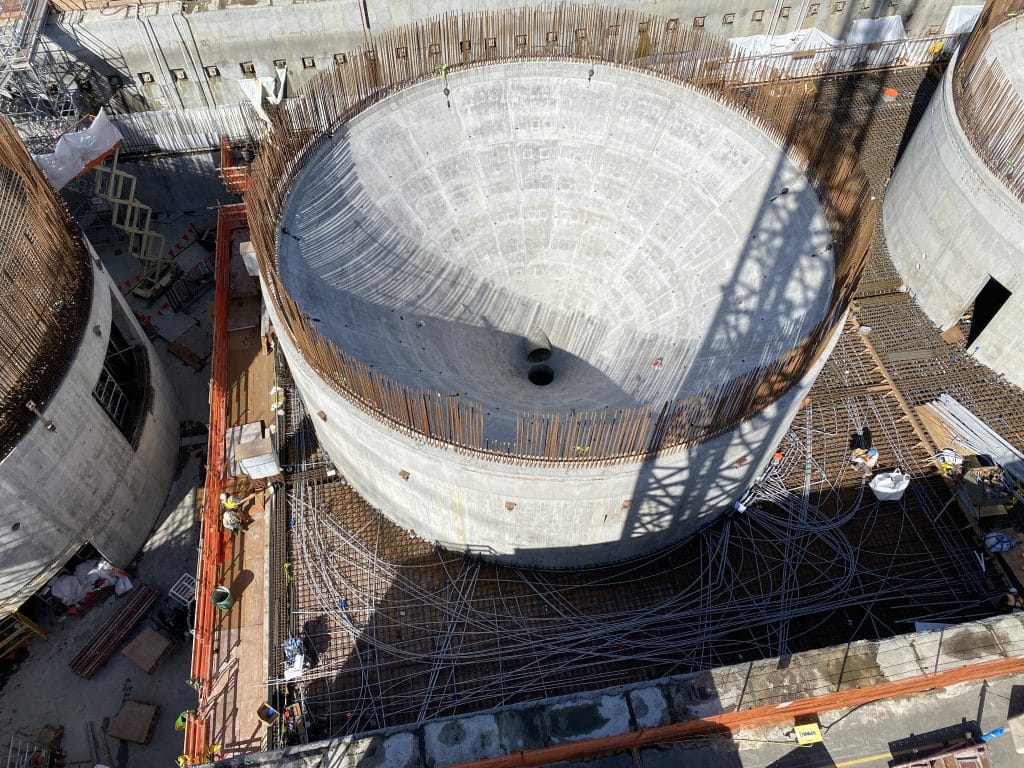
x: 541, y: 375
x: 624, y: 219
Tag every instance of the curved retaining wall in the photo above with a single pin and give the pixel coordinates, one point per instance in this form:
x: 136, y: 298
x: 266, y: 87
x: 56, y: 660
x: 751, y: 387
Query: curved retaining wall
x: 554, y: 515
x: 950, y: 224
x: 84, y: 483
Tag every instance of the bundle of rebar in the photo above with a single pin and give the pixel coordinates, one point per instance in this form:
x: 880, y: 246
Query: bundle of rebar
x: 45, y: 289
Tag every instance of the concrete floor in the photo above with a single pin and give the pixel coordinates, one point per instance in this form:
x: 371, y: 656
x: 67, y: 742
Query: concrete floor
x: 43, y: 689
x: 873, y: 736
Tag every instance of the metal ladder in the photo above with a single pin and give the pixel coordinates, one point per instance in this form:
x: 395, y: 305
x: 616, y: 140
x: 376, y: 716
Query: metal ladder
x: 133, y: 218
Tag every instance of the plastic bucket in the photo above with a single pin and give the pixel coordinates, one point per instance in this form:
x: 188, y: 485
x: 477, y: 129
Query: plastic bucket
x: 222, y: 598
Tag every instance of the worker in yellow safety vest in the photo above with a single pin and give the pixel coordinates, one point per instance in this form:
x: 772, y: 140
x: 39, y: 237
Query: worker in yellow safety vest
x: 231, y: 517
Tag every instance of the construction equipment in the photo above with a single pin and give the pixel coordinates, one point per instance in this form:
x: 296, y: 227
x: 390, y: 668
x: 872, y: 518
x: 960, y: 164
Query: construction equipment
x: 35, y: 92
x: 134, y: 218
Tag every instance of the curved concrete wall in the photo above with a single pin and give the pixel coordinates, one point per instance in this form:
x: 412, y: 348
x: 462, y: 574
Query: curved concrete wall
x: 627, y: 216
x: 544, y: 516
x: 83, y: 482
x: 950, y: 224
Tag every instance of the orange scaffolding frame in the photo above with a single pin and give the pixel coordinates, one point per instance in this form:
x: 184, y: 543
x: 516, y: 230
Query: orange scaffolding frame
x: 213, y: 538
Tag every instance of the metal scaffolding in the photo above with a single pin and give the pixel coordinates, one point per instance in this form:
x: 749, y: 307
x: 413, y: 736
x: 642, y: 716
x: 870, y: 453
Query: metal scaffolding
x: 36, y: 92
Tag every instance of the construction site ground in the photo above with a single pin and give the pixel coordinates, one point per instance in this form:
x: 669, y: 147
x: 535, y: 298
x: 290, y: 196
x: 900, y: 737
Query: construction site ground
x: 402, y: 631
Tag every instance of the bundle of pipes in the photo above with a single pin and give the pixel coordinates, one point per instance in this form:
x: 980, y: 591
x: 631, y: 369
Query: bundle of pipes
x: 974, y: 435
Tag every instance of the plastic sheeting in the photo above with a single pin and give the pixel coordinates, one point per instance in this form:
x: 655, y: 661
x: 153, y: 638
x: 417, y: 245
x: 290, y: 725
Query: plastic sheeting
x: 72, y: 589
x: 889, y: 486
x: 870, y: 34
x: 77, y: 151
x: 961, y: 19
x: 271, y: 87
x: 800, y: 40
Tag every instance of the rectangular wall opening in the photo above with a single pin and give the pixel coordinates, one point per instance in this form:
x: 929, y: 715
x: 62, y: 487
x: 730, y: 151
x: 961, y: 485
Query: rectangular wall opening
x: 123, y: 387
x: 987, y: 303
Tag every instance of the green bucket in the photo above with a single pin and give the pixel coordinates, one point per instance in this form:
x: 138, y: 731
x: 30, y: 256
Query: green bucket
x: 222, y: 598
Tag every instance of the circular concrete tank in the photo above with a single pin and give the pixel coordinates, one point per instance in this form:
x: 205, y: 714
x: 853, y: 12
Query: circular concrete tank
x: 651, y: 239
x: 88, y: 425
x: 954, y: 227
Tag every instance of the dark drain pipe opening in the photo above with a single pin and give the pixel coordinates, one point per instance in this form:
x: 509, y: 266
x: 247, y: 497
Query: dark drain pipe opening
x: 538, y: 348
x: 541, y: 375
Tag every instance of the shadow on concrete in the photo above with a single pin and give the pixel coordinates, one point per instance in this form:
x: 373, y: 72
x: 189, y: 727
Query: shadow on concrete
x: 241, y: 583
x: 778, y: 578
x: 923, y: 745
x: 811, y: 756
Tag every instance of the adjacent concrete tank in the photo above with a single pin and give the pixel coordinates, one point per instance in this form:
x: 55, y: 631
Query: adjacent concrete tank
x: 89, y: 422
x: 662, y: 247
x: 953, y: 213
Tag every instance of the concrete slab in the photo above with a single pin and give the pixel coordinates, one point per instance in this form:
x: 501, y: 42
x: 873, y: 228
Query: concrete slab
x: 650, y: 707
x: 461, y: 740
x: 586, y: 717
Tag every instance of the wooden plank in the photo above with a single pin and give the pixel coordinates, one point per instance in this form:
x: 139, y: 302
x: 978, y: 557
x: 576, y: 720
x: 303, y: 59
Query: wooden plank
x: 101, y: 646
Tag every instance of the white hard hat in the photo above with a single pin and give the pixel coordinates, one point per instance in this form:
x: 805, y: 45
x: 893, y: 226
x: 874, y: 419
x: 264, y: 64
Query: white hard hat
x: 223, y: 496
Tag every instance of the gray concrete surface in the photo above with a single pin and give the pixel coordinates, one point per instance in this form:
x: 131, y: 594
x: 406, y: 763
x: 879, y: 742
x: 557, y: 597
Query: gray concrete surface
x: 225, y: 33
x: 183, y: 191
x: 872, y: 734
x: 563, y: 517
x: 627, y: 217
x: 951, y: 224
x: 84, y: 482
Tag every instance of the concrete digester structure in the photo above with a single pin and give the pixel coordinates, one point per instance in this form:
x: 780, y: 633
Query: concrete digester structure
x: 954, y: 210
x: 682, y: 340
x: 89, y: 420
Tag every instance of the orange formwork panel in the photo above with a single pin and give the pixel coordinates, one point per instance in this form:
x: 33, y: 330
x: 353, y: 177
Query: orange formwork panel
x: 229, y: 218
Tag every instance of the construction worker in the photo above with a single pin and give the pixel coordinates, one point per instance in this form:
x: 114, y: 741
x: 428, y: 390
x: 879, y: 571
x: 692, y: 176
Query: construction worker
x: 231, y: 516
x: 230, y: 501
x: 182, y: 721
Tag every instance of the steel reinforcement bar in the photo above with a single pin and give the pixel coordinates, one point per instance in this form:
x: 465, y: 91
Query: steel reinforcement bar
x: 45, y: 288
x: 399, y: 58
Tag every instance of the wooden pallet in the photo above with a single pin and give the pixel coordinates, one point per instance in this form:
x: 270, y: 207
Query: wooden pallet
x: 135, y: 722
x: 148, y: 650
x: 102, y: 645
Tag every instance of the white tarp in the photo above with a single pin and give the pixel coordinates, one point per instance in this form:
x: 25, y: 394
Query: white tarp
x: 877, y: 30
x: 75, y: 151
x: 270, y: 87
x: 882, y: 40
x: 88, y: 576
x: 961, y: 19
x: 765, y: 55
x: 800, y: 40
